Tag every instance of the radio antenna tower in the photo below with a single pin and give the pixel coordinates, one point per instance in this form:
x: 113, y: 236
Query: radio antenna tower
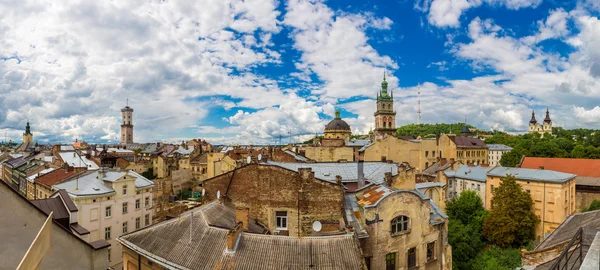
x: 419, y: 120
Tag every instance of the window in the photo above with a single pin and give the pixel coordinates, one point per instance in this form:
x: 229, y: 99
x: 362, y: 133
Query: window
x: 412, y: 257
x: 125, y: 227
x: 147, y: 220
x: 107, y: 233
x: 281, y: 220
x: 430, y: 251
x: 432, y: 153
x: 147, y: 202
x: 478, y: 187
x: 426, y: 153
x: 124, y: 208
x: 390, y: 261
x: 137, y: 223
x: 368, y: 262
x: 137, y: 204
x: 426, y: 165
x: 108, y: 211
x: 399, y: 224
x: 124, y: 189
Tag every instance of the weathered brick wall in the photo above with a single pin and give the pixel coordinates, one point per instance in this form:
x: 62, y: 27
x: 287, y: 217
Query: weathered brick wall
x: 280, y: 156
x: 265, y: 189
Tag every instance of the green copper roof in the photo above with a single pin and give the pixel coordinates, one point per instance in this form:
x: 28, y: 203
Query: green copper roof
x: 384, y: 94
x: 337, y: 114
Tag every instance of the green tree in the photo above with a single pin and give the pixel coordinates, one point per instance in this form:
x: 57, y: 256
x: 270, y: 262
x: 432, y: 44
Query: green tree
x: 578, y: 152
x: 595, y: 205
x: 512, y: 158
x: 511, y: 222
x: 465, y: 214
x: 496, y: 258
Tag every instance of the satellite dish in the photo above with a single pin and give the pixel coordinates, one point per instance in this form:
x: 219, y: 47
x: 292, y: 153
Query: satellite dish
x: 218, y: 194
x: 249, y: 159
x: 317, y: 226
x: 203, y: 192
x: 259, y: 157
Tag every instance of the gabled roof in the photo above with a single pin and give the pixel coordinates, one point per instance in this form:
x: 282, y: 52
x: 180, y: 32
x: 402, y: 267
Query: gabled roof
x: 532, y: 174
x: 467, y: 142
x: 200, y: 159
x: 181, y: 243
x: 54, y: 177
x: 578, y: 166
x: 374, y: 172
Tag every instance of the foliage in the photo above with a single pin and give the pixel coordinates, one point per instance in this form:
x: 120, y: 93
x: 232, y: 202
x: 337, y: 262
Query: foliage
x: 149, y: 173
x: 430, y: 130
x: 465, y: 214
x: 496, y: 258
x: 511, y: 222
x: 595, y: 205
x: 576, y: 143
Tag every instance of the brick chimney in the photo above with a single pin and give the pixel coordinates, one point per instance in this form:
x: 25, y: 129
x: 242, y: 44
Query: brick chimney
x: 443, y: 161
x: 388, y: 179
x: 338, y: 179
x: 361, y: 174
x: 541, y: 167
x: 241, y: 216
x: 484, y: 165
x: 232, y: 237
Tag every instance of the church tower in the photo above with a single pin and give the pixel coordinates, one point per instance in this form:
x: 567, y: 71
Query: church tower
x: 547, y: 123
x: 126, y: 126
x: 27, y: 135
x: 532, y: 123
x: 385, y: 116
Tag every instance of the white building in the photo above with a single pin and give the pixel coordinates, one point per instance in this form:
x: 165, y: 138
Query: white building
x: 495, y: 153
x: 111, y: 203
x: 467, y: 178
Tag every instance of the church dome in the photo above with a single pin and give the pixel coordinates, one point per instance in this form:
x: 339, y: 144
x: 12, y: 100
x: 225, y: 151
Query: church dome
x: 337, y: 123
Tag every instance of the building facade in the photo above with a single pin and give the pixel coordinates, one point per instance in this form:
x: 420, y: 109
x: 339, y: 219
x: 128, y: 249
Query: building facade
x: 127, y: 125
x: 466, y: 177
x: 553, y: 194
x: 495, y: 152
x: 111, y: 203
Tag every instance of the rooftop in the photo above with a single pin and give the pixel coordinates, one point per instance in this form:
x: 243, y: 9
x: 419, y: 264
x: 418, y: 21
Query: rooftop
x: 54, y: 177
x: 499, y: 147
x: 532, y: 174
x: 201, y: 244
x: 476, y: 173
x: 92, y: 183
x: 75, y: 160
x: 374, y: 172
x: 296, y: 156
x: 467, y: 142
x: 578, y: 166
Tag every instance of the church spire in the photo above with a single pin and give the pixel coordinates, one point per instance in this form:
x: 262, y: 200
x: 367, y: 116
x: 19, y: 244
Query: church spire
x: 547, y: 119
x: 533, y: 121
x: 27, y: 128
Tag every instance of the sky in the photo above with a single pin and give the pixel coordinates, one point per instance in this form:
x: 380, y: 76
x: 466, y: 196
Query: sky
x: 251, y: 71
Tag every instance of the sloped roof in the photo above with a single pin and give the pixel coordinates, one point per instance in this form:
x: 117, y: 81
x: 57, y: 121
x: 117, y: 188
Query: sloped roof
x: 73, y: 159
x: 52, y: 205
x: 201, y: 159
x: 467, y: 142
x: 435, y: 167
x: 578, y: 166
x: 182, y: 244
x: 358, y: 142
x: 476, y: 173
x: 499, y: 147
x: 532, y: 174
x: 54, y: 177
x: 589, y: 221
x: 90, y: 185
x: 34, y: 176
x: 374, y: 172
x: 296, y: 156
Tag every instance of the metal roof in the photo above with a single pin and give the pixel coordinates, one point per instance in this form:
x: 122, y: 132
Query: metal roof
x: 532, y: 174
x: 296, y: 156
x: 191, y: 242
x: 498, y: 147
x: 356, y: 143
x: 476, y: 173
x: 374, y: 172
x: 73, y: 159
x: 90, y: 185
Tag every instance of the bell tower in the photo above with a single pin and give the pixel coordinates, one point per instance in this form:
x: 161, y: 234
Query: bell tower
x: 127, y: 124
x: 27, y: 135
x: 385, y: 116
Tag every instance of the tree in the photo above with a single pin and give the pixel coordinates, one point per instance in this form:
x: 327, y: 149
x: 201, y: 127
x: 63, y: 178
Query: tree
x: 496, y: 258
x: 465, y: 214
x: 512, y: 158
x: 595, y: 205
x: 578, y: 152
x: 511, y: 221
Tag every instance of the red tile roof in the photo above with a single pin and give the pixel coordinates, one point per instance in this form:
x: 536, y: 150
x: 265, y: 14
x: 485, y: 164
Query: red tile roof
x: 54, y: 177
x: 578, y: 166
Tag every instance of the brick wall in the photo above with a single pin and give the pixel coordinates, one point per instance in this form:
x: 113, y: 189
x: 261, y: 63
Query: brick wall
x: 265, y: 189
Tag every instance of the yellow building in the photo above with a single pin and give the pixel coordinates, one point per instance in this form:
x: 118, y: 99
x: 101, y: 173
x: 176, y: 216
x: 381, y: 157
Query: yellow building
x: 199, y: 165
x: 219, y: 163
x: 423, y: 153
x: 535, y: 127
x: 329, y: 153
x: 553, y: 194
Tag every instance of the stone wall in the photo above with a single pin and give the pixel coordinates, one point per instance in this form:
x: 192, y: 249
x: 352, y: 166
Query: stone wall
x: 329, y: 154
x: 265, y: 189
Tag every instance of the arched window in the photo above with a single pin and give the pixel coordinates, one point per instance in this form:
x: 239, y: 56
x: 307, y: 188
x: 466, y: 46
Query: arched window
x: 399, y: 224
x: 384, y: 124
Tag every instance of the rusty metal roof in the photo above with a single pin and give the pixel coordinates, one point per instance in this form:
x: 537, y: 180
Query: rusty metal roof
x: 192, y: 243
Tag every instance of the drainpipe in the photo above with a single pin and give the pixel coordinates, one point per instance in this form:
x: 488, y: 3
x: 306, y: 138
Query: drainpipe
x: 441, y: 241
x: 543, y: 213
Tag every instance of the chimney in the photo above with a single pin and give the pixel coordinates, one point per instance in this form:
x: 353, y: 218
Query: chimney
x: 361, y: 174
x: 470, y: 164
x: 232, y: 237
x: 484, y: 165
x: 338, y: 179
x: 541, y: 167
x: 241, y: 216
x: 443, y: 161
x: 388, y: 179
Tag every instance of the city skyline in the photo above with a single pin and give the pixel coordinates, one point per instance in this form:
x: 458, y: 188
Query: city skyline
x: 252, y: 72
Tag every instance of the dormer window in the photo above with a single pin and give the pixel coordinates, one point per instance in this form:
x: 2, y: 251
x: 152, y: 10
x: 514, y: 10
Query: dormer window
x: 400, y: 225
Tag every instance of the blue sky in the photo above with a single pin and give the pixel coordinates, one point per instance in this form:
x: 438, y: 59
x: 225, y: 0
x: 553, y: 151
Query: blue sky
x: 250, y: 71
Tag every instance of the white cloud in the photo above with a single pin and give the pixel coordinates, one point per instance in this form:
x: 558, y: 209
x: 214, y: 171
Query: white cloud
x: 587, y: 116
x: 447, y: 13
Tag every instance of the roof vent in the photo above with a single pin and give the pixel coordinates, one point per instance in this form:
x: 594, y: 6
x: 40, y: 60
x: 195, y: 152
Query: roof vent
x: 96, y: 189
x: 326, y: 174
